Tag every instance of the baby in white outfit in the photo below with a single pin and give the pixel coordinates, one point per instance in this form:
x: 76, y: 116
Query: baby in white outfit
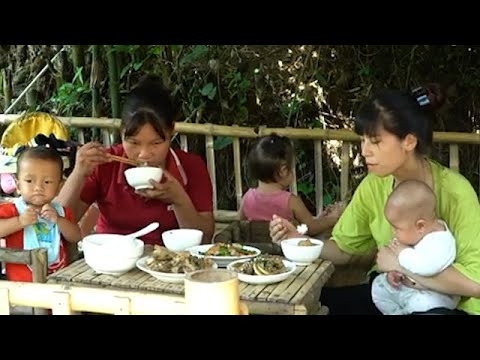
x: 424, y: 245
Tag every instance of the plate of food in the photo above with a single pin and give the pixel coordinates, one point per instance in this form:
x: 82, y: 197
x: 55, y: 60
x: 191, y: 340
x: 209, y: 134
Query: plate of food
x: 223, y: 253
x: 171, y: 267
x: 264, y: 269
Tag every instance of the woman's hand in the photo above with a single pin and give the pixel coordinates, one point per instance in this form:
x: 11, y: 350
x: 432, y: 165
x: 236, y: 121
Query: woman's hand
x: 169, y: 190
x: 281, y: 229
x: 387, y: 261
x: 89, y: 156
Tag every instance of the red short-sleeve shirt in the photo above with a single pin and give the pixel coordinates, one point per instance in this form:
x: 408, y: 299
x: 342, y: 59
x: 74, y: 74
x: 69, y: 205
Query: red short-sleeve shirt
x: 20, y: 272
x: 123, y: 212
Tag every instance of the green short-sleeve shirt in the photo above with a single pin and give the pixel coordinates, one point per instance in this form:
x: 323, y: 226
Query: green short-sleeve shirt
x: 363, y: 226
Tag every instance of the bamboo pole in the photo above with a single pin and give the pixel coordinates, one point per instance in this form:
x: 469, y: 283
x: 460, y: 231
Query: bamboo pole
x: 77, y: 56
x: 39, y: 265
x: 66, y: 299
x: 16, y: 256
x: 293, y: 166
x: 94, y: 80
x: 211, y: 166
x: 345, y: 167
x: 248, y: 132
x: 184, y: 142
x: 454, y: 158
x: 226, y: 215
x: 318, y: 175
x: 62, y: 303
x: 114, y: 88
x: 113, y: 83
x: 237, y: 169
x: 106, y: 137
x: 81, y: 136
x: 4, y: 302
x: 7, y: 87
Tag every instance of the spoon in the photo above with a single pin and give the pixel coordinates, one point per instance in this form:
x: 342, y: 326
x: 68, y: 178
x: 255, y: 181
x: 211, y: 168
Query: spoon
x: 147, y: 229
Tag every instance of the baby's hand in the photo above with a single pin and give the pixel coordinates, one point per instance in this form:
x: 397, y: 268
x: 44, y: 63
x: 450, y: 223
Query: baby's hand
x: 29, y: 217
x: 49, y: 213
x: 395, y: 278
x: 397, y: 247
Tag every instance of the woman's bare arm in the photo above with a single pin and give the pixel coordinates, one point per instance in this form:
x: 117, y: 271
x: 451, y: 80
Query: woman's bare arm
x: 449, y: 281
x: 69, y: 196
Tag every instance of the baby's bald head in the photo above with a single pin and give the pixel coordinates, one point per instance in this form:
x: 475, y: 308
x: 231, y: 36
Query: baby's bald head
x: 411, y: 200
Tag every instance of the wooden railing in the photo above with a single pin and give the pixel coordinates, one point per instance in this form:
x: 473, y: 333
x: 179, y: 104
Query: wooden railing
x: 347, y: 137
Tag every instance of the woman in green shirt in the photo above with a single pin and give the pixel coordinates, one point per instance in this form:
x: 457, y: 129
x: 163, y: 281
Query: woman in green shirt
x: 396, y: 135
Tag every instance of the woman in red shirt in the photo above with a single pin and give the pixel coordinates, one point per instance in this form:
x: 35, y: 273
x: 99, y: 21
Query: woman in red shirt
x: 182, y: 199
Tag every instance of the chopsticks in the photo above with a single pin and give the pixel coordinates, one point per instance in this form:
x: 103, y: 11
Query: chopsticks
x: 124, y: 160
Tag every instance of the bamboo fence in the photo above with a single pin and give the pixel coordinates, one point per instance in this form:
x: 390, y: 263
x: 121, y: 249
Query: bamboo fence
x: 210, y: 131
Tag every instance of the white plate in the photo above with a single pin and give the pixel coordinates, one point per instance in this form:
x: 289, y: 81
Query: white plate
x: 263, y: 279
x: 175, y: 278
x: 222, y: 261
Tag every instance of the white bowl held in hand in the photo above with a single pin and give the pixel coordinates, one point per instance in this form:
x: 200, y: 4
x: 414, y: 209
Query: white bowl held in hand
x: 181, y: 239
x: 301, y: 255
x: 111, y: 254
x: 139, y: 177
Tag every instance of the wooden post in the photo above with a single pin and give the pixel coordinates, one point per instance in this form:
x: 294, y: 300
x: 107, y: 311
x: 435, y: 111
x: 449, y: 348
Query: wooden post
x: 318, y: 175
x: 39, y: 265
x: 345, y: 168
x: 454, y: 158
x: 237, y: 169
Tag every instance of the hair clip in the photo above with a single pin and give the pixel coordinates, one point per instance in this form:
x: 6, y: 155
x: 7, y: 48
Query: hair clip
x: 421, y: 96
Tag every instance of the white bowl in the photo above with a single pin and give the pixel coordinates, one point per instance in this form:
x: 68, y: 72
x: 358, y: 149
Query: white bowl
x: 111, y: 254
x: 174, y: 278
x: 181, y: 239
x: 263, y: 279
x: 301, y: 255
x: 139, y: 177
x: 222, y: 261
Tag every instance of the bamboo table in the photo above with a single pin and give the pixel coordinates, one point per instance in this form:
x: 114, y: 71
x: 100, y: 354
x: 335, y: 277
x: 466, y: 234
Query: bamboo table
x: 297, y: 295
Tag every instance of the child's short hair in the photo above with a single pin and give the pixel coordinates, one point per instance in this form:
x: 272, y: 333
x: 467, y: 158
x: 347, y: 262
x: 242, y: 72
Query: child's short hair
x: 40, y: 153
x: 267, y: 157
